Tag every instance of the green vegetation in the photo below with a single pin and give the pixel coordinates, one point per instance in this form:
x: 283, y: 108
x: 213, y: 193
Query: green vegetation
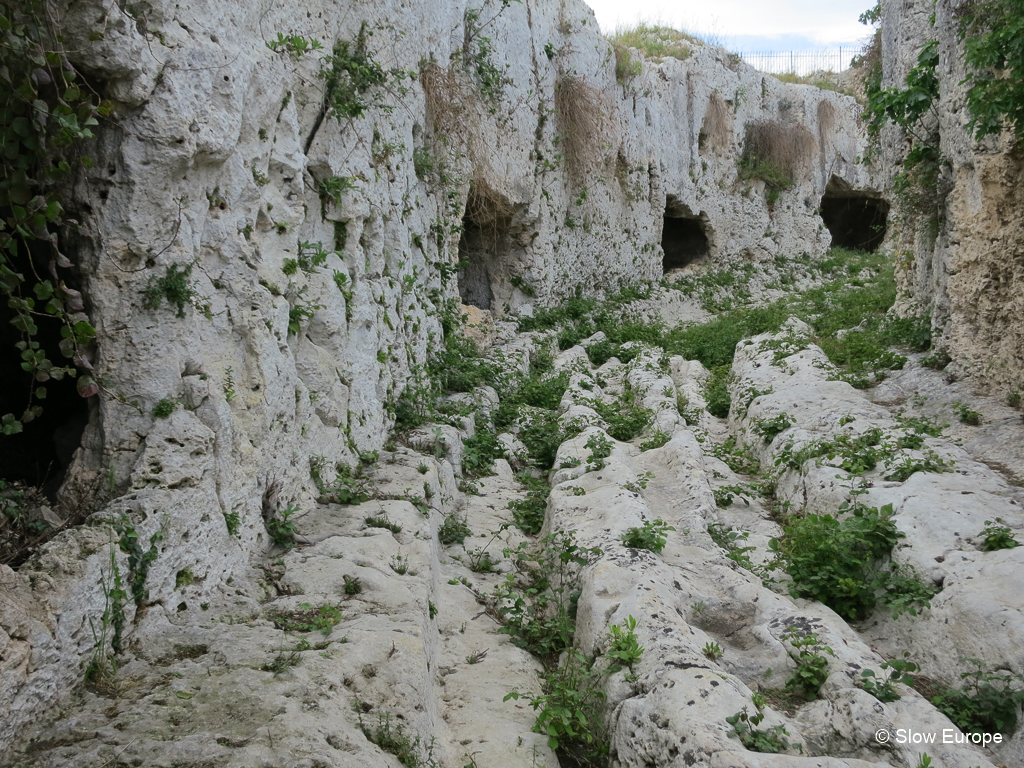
x: 810, y: 655
x: 837, y: 562
x: 174, y: 287
x: 713, y: 651
x: 744, y: 727
x: 987, y: 702
x: 991, y: 31
x: 392, y: 738
x: 650, y: 536
x: 453, y: 530
x: 350, y: 73
x: 623, y: 646
x: 997, y: 536
x: 655, y: 41
x: 47, y: 113
x: 165, y: 407
x: 883, y: 688
x: 308, y: 618
x: 383, y: 521
x: 536, y: 602
x: 281, y: 527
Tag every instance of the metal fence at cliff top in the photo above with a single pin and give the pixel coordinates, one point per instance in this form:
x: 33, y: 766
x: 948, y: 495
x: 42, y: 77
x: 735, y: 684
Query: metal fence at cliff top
x: 803, y: 63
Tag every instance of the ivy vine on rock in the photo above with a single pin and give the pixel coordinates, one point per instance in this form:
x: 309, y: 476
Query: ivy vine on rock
x: 46, y: 113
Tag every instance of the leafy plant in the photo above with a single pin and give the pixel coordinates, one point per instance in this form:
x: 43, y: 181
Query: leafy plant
x: 281, y: 527
x: 769, y: 429
x: 991, y: 31
x: 400, y: 565
x: 569, y: 713
x: 883, y: 687
x: 600, y: 449
x: 47, y: 113
x: 987, y: 702
x: 353, y: 585
x: 623, y: 646
x: 295, y: 46
x: 349, y: 73
x: 997, y: 536
x: 537, y: 600
x: 165, y: 407
x: 809, y: 653
x: 392, y: 738
x: 835, y: 560
x: 967, y: 416
x: 174, y: 287
x: 649, y: 536
x: 233, y: 522
x: 308, y: 618
x: 453, y: 530
x: 383, y: 521
x: 712, y: 651
x: 744, y: 727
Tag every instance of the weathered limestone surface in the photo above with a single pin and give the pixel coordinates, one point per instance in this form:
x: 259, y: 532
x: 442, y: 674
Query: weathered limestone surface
x: 979, y: 612
x: 970, y: 275
x: 215, y: 167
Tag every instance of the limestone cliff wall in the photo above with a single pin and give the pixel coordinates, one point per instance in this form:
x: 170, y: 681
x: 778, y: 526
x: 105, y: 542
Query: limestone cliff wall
x: 502, y: 128
x: 968, y: 267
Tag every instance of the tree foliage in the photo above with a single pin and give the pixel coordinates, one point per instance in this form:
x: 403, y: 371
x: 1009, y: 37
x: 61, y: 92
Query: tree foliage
x: 46, y: 113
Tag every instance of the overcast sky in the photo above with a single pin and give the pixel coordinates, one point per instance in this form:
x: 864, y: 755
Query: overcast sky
x: 747, y: 25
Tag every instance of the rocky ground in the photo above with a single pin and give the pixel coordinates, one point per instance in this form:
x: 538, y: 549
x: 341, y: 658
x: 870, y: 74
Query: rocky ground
x: 631, y: 599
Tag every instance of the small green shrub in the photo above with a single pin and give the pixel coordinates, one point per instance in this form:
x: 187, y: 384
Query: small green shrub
x: 569, y: 713
x: 233, y: 522
x: 529, y: 512
x: 835, y: 561
x: 1013, y: 399
x: 997, y: 536
x: 657, y: 440
x: 744, y: 727
x: 353, y: 585
x: 899, y: 673
x: 769, y: 429
x: 282, y: 528
x: 623, y: 646
x: 716, y: 392
x: 453, y: 530
x: 600, y: 449
x: 987, y: 702
x: 650, y: 536
x: 174, y: 287
x: 392, y: 738
x: 383, y: 521
x: 307, y: 618
x: 809, y: 653
x: 967, y: 416
x: 537, y: 601
x: 713, y: 651
x: 164, y: 408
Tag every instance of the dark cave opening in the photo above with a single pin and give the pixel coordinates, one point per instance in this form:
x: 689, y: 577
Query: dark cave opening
x: 855, y: 219
x: 684, y: 237
x: 40, y: 454
x: 485, y: 244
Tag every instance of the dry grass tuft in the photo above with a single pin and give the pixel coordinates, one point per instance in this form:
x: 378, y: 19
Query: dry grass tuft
x: 775, y: 154
x: 785, y: 148
x: 716, y: 130
x: 655, y: 41
x: 446, y: 102
x: 487, y: 208
x: 584, y: 117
